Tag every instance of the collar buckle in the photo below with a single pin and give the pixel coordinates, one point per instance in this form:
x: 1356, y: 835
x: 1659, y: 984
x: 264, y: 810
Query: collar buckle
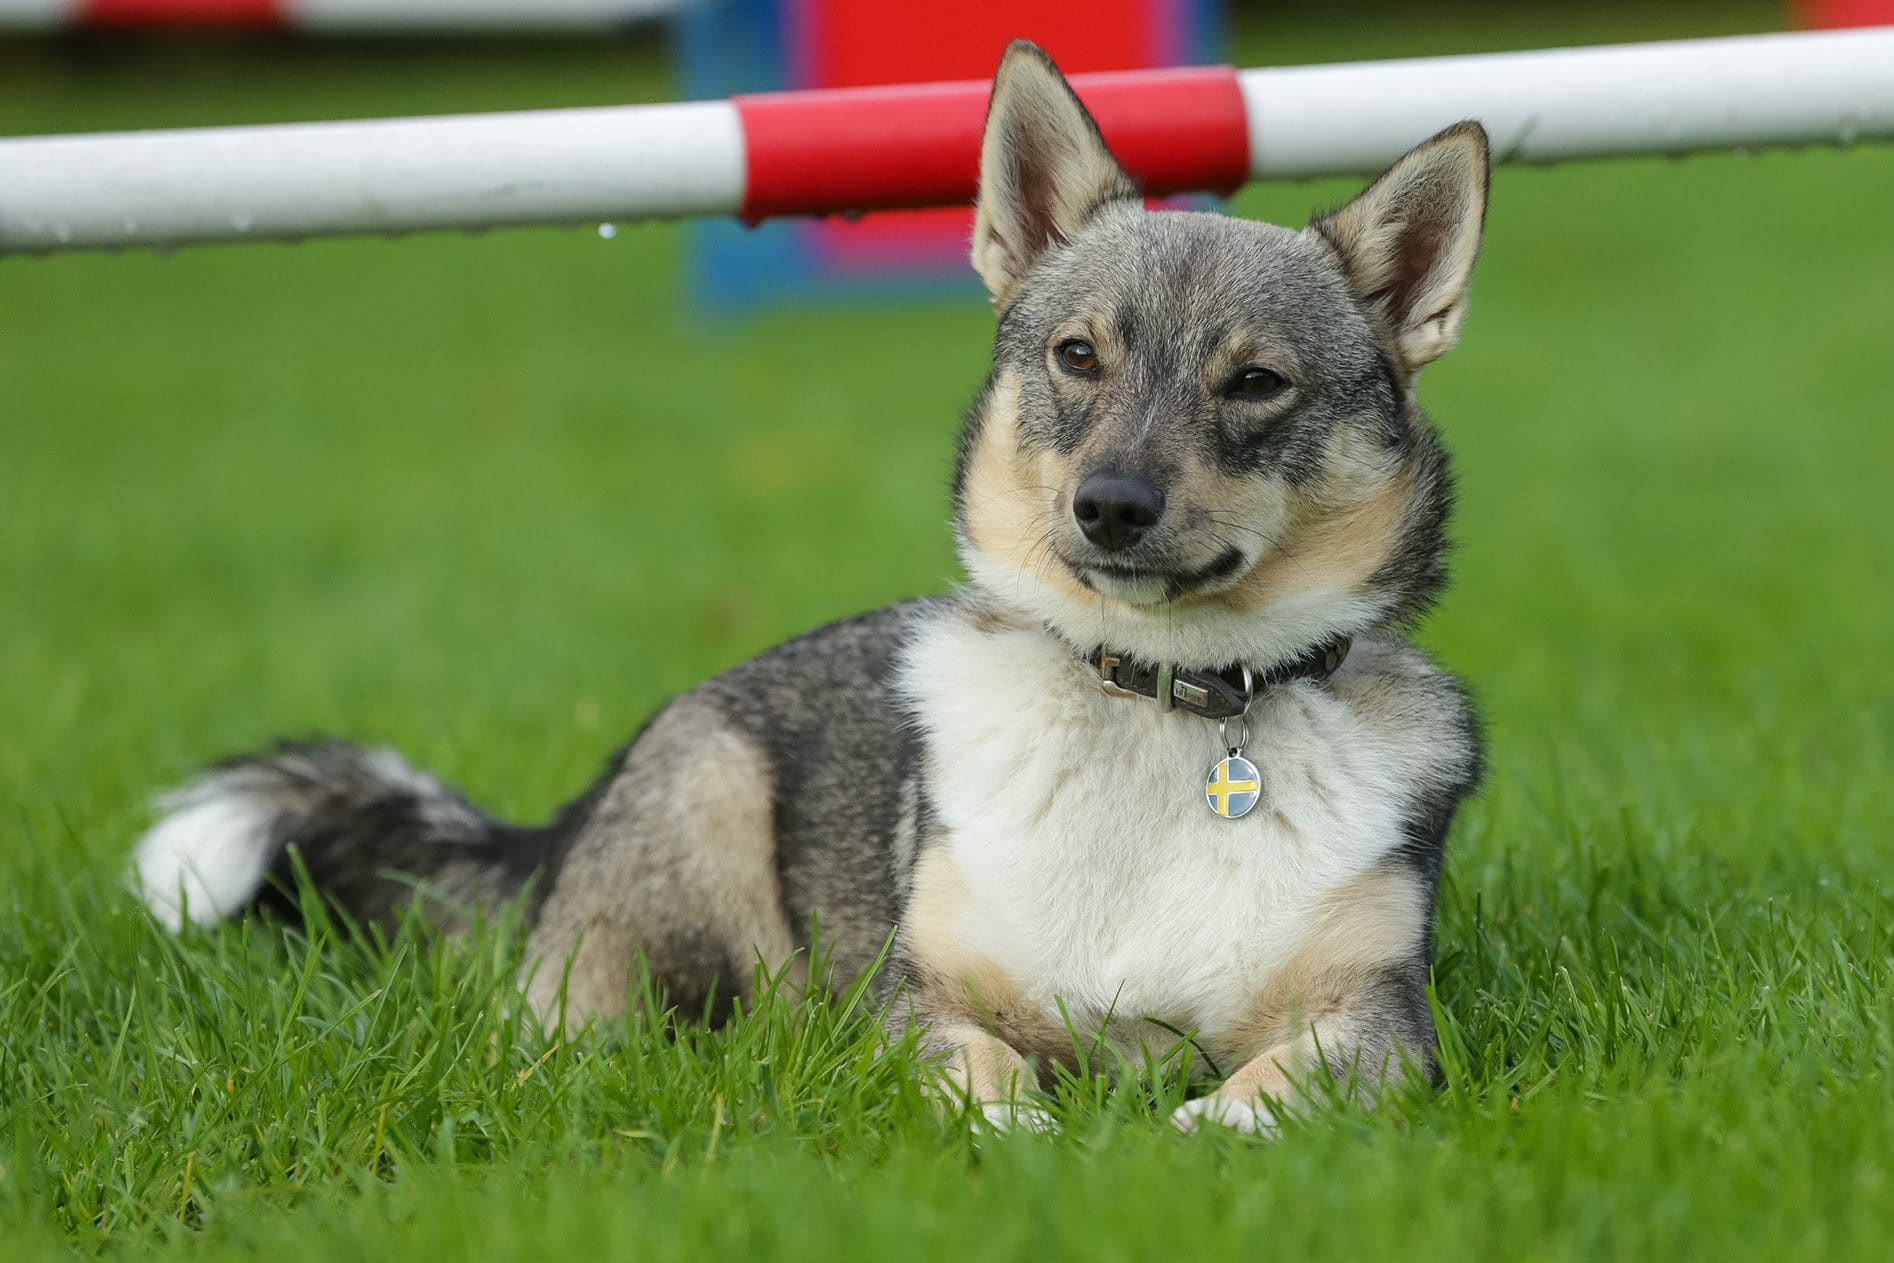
x: 1108, y: 667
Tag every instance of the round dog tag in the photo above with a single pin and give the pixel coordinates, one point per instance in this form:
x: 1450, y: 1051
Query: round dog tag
x: 1233, y: 786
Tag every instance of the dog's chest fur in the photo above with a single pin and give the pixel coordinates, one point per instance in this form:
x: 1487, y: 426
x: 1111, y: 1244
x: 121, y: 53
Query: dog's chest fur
x: 1087, y: 868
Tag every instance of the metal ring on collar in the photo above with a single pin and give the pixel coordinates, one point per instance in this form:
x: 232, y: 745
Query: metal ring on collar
x: 1223, y: 735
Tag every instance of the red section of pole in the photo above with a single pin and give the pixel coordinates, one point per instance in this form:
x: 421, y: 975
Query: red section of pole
x: 181, y: 13
x: 1836, y: 14
x: 858, y: 149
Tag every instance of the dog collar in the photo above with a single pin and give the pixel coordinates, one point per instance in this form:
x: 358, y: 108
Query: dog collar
x: 1213, y: 694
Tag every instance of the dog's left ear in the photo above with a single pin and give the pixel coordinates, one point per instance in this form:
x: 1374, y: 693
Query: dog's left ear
x: 1408, y: 242
x: 1044, y: 170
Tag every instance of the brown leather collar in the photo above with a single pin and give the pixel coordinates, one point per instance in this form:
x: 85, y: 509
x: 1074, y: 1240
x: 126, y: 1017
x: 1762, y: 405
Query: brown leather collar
x: 1218, y: 694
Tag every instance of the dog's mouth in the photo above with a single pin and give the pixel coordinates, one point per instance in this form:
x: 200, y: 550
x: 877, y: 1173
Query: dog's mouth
x: 1153, y: 584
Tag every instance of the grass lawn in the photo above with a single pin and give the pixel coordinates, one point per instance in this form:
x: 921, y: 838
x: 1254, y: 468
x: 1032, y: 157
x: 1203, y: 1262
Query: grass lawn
x: 491, y: 499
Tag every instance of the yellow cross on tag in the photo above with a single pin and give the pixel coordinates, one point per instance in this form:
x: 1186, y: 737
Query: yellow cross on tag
x: 1233, y: 787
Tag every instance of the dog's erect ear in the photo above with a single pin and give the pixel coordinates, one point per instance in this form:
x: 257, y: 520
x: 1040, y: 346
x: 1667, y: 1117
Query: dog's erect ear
x: 1044, y: 169
x: 1409, y: 241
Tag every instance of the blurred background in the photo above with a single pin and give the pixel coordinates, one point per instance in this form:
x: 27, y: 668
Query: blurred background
x: 492, y: 498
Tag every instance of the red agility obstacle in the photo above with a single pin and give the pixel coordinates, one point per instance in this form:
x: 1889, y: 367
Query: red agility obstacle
x: 868, y: 148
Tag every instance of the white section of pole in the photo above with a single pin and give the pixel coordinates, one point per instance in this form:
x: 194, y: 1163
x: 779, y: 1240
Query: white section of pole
x: 393, y: 17
x: 1827, y: 87
x: 381, y: 176
x: 432, y: 17
x: 37, y: 15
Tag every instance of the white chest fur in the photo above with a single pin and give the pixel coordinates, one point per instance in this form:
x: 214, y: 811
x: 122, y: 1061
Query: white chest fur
x: 1095, y: 875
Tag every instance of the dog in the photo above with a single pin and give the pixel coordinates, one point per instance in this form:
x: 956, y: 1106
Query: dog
x: 1164, y: 767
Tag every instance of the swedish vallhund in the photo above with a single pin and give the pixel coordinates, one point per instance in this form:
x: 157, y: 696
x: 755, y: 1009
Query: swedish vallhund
x: 1166, y: 766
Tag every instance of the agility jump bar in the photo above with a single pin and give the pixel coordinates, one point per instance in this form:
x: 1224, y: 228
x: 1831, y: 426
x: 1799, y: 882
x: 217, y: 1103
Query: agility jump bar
x: 850, y: 150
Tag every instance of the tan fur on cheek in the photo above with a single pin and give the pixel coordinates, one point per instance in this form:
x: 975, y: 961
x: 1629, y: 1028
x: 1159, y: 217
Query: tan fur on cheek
x: 1013, y: 498
x: 1333, y: 551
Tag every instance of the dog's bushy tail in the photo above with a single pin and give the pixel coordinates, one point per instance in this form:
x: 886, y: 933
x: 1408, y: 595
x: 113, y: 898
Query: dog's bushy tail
x: 370, y: 829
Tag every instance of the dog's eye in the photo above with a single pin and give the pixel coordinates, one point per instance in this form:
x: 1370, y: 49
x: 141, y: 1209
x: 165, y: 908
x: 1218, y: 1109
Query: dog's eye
x: 1078, y: 355
x: 1258, y: 383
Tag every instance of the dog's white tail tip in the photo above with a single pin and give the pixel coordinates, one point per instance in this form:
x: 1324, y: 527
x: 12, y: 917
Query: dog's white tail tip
x: 206, y: 857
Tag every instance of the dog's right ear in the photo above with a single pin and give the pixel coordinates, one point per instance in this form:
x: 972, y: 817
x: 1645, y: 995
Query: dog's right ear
x: 1044, y: 170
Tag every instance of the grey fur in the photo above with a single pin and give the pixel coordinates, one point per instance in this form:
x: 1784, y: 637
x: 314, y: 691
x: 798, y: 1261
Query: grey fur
x: 373, y: 832
x: 812, y: 727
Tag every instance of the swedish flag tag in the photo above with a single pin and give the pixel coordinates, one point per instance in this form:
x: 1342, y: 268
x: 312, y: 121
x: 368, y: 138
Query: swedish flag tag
x: 1233, y: 787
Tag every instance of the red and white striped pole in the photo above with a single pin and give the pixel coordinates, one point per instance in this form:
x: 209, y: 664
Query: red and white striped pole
x: 854, y: 149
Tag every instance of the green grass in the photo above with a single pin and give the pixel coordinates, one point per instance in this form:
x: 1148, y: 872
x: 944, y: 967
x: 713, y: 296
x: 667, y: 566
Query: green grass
x: 491, y: 499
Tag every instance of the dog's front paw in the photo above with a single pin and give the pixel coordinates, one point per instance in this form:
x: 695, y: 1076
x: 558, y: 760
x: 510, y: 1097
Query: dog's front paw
x: 997, y: 1116
x: 1252, y: 1118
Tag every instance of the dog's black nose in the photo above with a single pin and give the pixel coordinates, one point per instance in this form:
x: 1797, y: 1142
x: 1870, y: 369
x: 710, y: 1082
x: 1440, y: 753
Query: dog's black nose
x: 1115, y: 511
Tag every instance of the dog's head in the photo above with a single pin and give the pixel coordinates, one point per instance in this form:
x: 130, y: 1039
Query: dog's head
x: 1199, y: 442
